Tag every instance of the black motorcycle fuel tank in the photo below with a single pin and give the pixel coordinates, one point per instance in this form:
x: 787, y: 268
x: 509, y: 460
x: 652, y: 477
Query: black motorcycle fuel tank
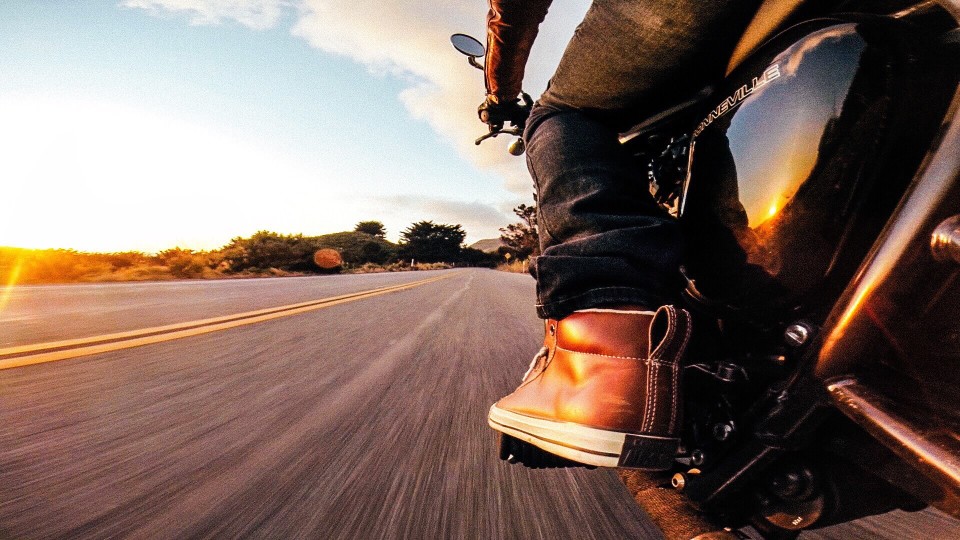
x: 795, y: 169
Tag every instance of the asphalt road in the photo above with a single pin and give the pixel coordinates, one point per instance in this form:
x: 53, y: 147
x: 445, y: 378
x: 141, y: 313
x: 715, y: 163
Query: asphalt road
x: 362, y: 420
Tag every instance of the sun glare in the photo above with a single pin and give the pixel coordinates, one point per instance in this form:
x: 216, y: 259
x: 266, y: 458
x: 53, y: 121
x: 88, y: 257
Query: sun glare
x: 104, y: 177
x: 11, y: 281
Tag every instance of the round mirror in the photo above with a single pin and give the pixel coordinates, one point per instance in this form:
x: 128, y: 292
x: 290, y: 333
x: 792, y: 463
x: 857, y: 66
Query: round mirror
x: 467, y: 45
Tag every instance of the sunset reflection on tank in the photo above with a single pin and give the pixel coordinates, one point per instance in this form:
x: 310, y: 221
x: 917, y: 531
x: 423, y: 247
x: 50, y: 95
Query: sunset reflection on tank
x: 782, y: 194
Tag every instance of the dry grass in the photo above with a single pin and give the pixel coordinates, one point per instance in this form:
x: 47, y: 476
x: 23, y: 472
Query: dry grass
x: 371, y: 268
x: 28, y: 266
x: 517, y: 267
x: 136, y: 273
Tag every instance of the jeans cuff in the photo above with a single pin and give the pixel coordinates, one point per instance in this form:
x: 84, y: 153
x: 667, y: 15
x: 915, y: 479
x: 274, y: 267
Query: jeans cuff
x: 598, y: 298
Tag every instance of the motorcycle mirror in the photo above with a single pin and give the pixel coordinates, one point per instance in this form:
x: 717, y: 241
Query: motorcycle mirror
x: 468, y: 45
x: 516, y: 148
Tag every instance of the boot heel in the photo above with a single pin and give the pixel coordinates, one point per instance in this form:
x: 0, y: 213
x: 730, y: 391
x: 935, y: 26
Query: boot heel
x: 513, y: 450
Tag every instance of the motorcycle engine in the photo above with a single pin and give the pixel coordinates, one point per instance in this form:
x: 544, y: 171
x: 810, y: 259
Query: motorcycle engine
x: 793, y: 173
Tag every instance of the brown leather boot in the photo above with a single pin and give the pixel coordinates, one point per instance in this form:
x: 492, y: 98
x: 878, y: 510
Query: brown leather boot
x: 604, y: 390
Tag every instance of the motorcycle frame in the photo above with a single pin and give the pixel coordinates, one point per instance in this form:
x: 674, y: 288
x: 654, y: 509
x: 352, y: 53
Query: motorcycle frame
x: 901, y: 253
x: 835, y: 371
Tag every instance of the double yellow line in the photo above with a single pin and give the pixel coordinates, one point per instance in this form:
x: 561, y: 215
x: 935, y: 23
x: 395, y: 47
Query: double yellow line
x: 37, y: 353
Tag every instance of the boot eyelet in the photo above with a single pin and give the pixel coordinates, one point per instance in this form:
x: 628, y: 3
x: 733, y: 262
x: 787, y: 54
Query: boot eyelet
x: 553, y: 329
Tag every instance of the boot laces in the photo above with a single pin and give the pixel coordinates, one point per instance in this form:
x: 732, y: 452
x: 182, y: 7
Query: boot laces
x: 542, y: 353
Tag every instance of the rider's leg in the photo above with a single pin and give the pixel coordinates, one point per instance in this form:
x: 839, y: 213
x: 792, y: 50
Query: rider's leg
x: 604, y: 242
x: 605, y: 390
x: 629, y: 59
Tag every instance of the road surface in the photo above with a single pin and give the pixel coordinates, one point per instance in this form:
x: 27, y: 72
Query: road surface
x: 362, y: 417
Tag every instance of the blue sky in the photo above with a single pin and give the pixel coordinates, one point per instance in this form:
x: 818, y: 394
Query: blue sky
x: 145, y: 124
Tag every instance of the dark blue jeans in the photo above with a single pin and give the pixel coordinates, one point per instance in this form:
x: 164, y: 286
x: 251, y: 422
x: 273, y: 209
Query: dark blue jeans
x: 604, y: 242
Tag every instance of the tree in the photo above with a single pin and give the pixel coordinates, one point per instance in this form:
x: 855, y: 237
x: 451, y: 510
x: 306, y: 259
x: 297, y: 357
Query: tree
x: 475, y: 257
x: 373, y: 228
x: 427, y: 241
x: 521, y: 239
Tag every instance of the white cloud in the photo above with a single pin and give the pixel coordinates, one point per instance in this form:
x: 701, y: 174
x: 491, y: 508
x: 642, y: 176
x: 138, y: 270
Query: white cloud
x: 257, y: 14
x: 410, y: 40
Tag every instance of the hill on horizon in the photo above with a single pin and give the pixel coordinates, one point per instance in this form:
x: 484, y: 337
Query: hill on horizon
x: 487, y: 245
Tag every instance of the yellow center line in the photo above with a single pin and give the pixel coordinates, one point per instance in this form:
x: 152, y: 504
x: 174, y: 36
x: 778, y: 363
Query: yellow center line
x: 37, y: 353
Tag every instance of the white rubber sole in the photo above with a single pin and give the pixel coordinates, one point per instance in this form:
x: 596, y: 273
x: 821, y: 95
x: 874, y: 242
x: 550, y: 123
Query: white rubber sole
x: 587, y: 445
x: 582, y: 444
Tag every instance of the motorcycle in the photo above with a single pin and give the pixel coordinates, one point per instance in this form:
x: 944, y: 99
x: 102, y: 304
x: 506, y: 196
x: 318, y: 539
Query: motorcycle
x: 818, y: 188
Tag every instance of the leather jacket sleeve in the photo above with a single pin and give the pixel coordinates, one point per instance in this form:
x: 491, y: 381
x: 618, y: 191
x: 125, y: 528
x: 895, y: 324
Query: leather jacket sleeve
x: 512, y: 26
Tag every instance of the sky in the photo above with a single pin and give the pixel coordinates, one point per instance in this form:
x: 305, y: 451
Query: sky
x: 148, y: 124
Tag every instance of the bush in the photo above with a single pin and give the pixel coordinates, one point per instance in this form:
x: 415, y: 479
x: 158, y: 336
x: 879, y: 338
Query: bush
x: 184, y: 263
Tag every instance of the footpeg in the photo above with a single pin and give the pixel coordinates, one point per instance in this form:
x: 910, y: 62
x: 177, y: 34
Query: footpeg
x: 648, y: 453
x: 513, y: 450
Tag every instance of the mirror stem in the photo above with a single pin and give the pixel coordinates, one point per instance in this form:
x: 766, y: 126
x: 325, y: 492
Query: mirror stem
x: 474, y: 63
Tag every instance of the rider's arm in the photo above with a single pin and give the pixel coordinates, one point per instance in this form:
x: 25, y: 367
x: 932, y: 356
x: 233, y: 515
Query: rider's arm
x: 511, y: 28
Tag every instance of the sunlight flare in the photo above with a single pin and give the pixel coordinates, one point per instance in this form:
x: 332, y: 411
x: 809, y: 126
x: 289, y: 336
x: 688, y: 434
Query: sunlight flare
x: 11, y: 281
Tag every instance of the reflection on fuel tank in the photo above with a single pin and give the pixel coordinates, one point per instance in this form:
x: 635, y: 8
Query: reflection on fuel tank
x: 787, y: 191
